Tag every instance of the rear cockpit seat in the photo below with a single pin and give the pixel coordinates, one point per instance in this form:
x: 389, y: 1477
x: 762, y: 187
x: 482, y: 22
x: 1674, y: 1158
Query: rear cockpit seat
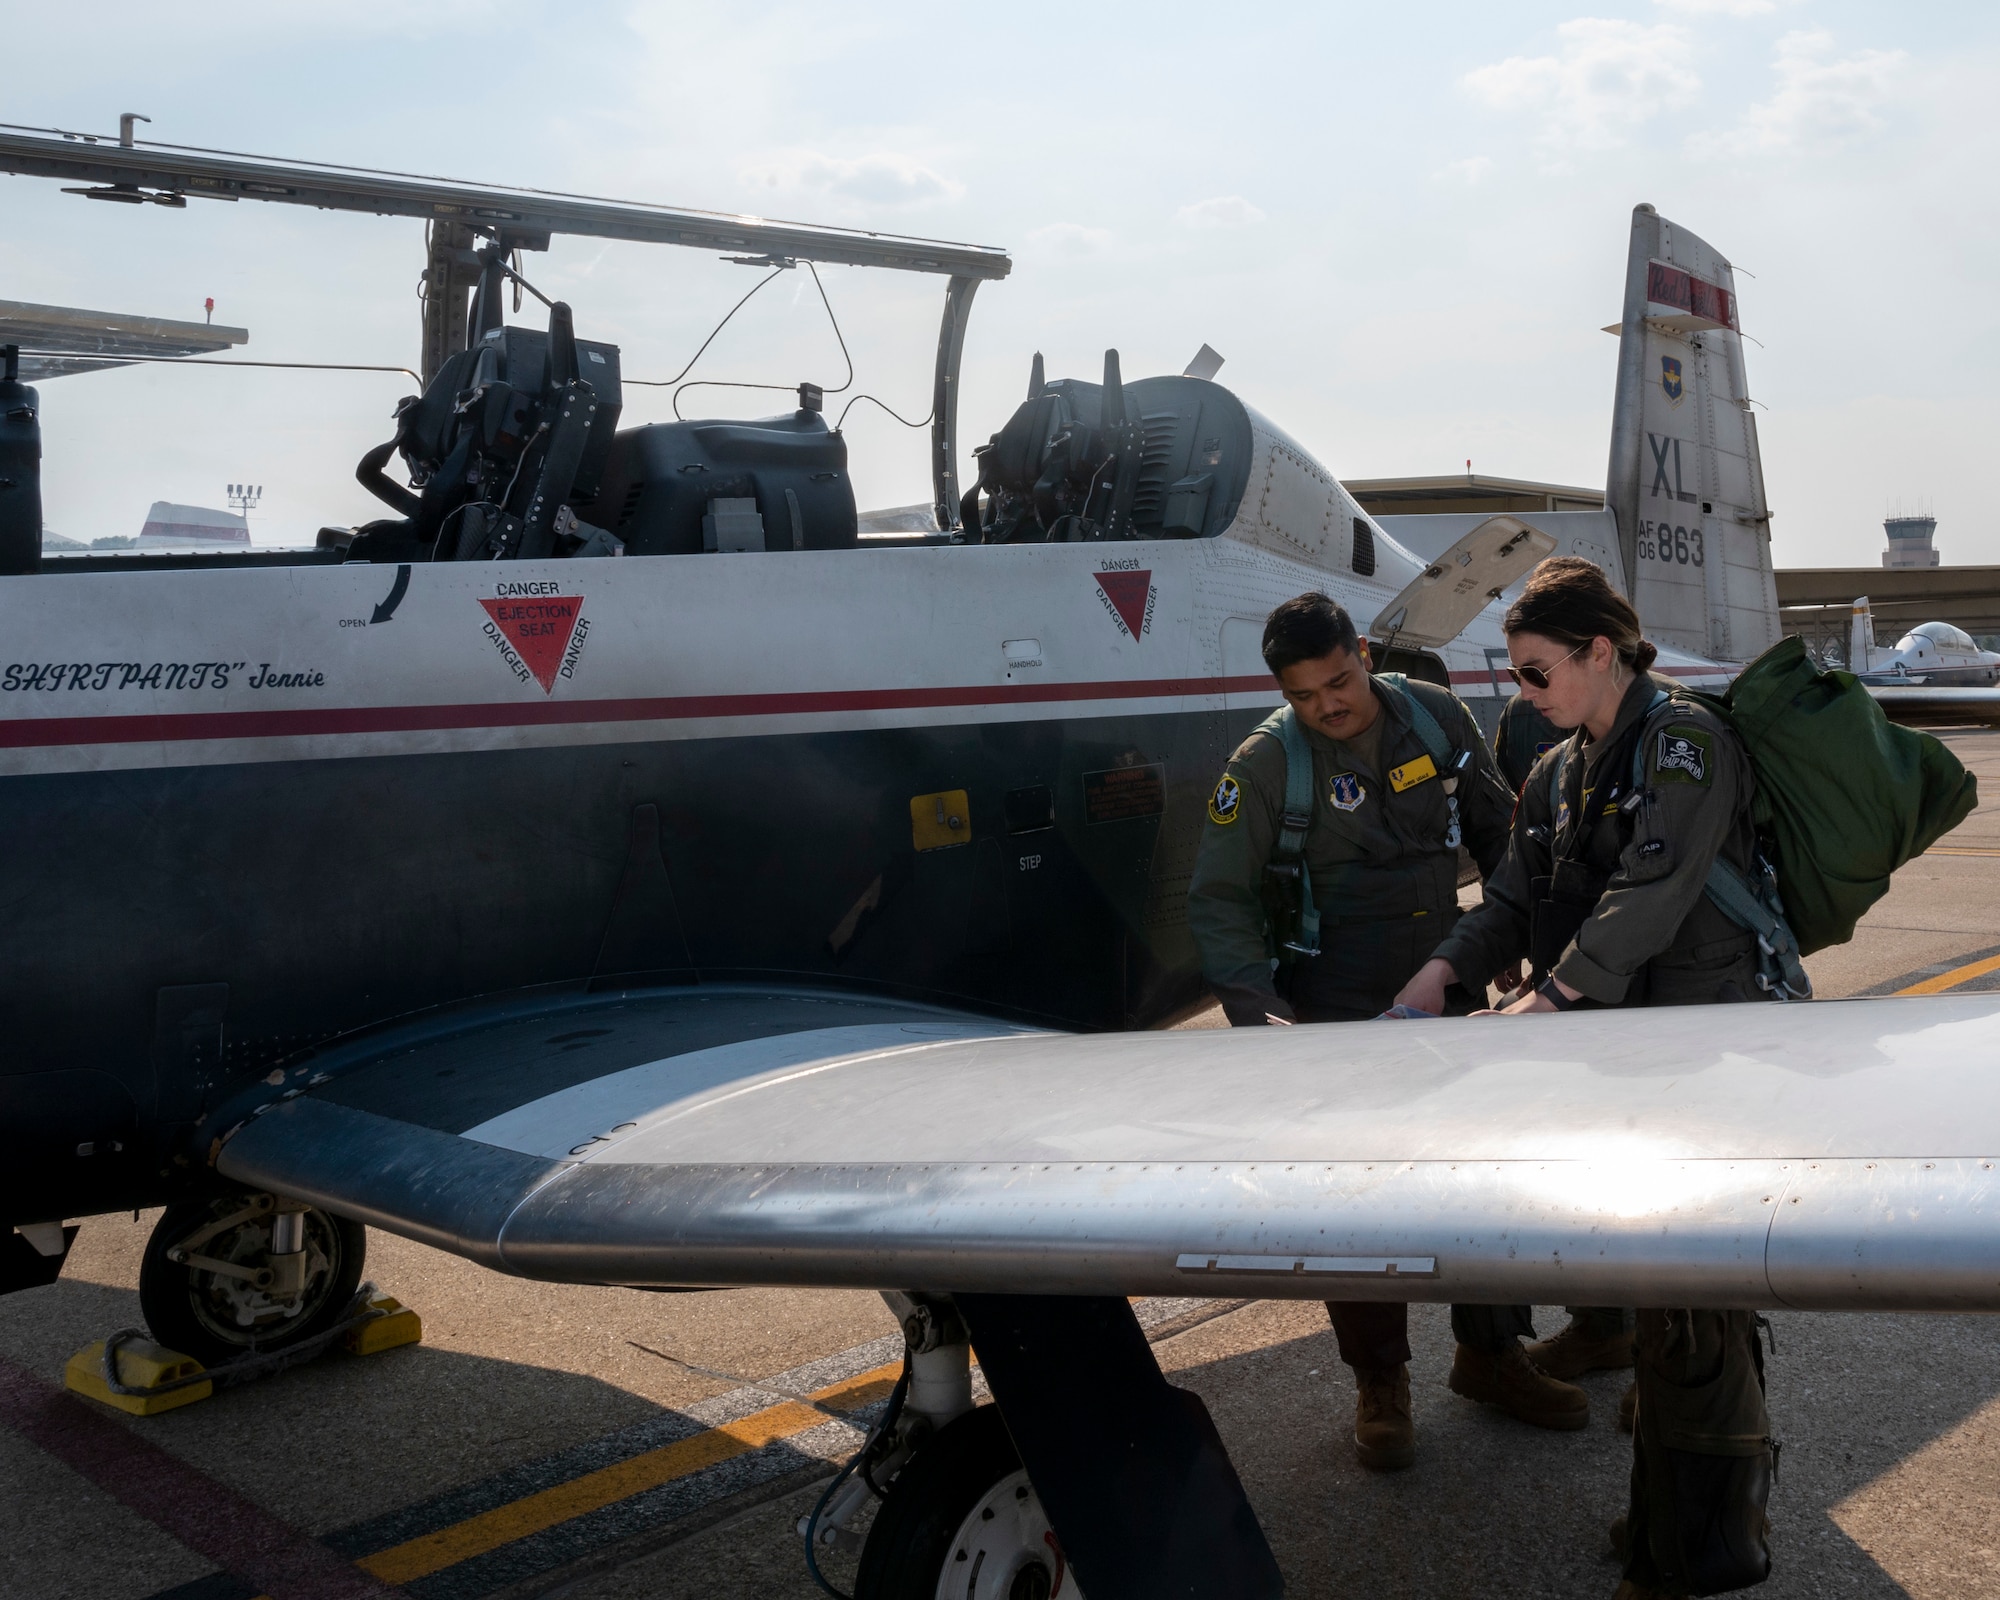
x: 1160, y: 458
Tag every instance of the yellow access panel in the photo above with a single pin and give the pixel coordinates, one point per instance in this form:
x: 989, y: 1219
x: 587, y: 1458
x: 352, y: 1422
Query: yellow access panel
x: 937, y: 820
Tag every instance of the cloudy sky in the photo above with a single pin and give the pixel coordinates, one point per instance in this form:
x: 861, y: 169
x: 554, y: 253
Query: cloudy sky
x: 1403, y: 226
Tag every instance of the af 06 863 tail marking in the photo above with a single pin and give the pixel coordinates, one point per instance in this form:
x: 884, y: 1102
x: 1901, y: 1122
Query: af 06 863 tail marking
x: 1685, y: 481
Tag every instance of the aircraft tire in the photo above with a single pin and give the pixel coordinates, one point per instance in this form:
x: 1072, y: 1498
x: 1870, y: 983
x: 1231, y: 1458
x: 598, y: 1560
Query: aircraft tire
x: 213, y: 1318
x: 961, y: 1519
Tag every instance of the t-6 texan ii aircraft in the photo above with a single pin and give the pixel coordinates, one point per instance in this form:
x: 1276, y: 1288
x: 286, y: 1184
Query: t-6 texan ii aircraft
x: 757, y: 906
x: 1930, y: 653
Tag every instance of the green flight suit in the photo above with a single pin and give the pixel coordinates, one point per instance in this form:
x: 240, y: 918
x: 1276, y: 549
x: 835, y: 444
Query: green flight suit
x: 1618, y: 888
x: 1383, y: 876
x: 1523, y: 737
x: 1385, y: 881
x: 1633, y: 881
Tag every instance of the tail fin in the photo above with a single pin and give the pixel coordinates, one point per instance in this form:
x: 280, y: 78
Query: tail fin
x: 1860, y: 637
x: 1685, y: 481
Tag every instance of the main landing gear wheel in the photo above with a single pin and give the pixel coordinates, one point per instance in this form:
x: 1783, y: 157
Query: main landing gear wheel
x: 212, y: 1286
x: 962, y: 1522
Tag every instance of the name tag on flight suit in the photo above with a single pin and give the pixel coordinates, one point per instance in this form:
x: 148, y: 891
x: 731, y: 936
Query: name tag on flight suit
x: 1412, y: 773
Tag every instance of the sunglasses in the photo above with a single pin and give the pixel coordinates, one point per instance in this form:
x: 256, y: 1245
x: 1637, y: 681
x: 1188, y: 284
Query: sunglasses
x: 1537, y: 677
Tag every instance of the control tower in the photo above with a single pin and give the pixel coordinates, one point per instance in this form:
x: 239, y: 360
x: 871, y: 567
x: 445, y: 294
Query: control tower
x: 1910, y: 542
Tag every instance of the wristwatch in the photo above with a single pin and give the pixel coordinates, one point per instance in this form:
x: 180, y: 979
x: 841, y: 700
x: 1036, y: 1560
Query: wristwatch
x: 1554, y: 995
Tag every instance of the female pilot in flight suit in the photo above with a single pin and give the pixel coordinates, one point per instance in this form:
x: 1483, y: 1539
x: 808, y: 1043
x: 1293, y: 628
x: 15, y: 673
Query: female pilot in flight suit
x: 1602, y: 889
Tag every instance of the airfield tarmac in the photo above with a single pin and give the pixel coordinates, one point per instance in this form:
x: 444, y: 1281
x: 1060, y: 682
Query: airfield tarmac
x: 607, y: 1444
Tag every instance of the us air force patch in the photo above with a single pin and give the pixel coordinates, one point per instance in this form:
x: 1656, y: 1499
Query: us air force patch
x: 1345, y: 793
x: 1683, y: 756
x: 1226, y: 804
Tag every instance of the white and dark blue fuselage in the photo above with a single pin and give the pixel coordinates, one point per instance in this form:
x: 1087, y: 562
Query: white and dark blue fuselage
x: 252, y: 808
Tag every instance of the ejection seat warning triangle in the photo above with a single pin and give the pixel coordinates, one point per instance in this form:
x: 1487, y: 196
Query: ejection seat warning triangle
x: 1129, y: 596
x: 533, y: 632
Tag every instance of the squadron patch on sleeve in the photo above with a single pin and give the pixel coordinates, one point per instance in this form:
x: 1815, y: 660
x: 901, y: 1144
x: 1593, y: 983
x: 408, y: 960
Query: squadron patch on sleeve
x: 1684, y: 756
x: 1346, y: 792
x: 1226, y: 804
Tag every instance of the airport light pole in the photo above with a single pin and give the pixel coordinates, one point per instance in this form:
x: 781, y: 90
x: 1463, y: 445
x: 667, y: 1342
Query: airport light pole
x: 243, y: 498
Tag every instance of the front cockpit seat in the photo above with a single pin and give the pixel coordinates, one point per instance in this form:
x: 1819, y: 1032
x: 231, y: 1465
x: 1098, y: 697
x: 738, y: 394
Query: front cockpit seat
x: 505, y: 450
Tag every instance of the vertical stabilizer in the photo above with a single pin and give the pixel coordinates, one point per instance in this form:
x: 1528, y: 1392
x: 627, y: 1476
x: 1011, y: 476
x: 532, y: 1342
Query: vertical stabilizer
x: 1860, y: 637
x: 1685, y: 479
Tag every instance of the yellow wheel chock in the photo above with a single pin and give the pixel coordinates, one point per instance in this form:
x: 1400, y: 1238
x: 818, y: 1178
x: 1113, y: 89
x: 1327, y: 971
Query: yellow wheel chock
x: 150, y: 1378
x: 144, y: 1366
x: 396, y: 1325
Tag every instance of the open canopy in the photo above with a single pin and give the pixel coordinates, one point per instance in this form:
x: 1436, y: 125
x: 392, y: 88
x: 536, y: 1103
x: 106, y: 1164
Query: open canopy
x: 139, y: 171
x: 497, y: 218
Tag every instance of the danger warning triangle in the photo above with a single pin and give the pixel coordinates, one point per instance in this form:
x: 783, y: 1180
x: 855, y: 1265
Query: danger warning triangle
x: 537, y: 629
x: 1127, y: 592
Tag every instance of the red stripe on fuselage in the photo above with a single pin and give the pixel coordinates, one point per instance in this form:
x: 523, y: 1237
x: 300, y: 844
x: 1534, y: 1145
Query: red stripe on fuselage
x: 30, y: 732
x: 24, y: 733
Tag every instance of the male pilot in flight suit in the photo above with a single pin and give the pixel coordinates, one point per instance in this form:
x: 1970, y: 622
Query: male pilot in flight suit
x: 1381, y: 852
x: 1523, y: 738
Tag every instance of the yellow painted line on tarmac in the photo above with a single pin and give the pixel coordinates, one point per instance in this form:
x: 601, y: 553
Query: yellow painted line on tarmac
x: 418, y: 1558
x: 1953, y: 978
x: 1959, y: 850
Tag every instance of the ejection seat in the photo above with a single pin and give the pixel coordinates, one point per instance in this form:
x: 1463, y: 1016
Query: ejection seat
x: 1162, y: 458
x: 502, y: 447
x: 513, y: 453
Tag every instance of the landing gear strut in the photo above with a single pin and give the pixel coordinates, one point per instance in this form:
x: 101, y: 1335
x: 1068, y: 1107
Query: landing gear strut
x: 238, y: 1272
x: 1089, y: 1468
x: 964, y: 1522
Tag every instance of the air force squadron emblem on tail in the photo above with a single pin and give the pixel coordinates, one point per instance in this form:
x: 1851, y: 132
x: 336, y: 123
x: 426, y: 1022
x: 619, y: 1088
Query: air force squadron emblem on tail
x: 1670, y: 378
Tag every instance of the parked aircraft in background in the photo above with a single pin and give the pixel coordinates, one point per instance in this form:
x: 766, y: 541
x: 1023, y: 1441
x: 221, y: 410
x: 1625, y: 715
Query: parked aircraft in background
x: 1934, y: 653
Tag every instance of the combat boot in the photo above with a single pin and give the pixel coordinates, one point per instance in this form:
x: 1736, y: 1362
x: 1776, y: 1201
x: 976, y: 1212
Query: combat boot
x: 1385, y: 1439
x: 1518, y: 1387
x: 1577, y: 1350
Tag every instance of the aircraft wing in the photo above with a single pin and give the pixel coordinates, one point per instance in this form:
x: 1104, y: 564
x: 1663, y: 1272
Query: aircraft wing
x: 1924, y: 706
x: 1837, y: 1155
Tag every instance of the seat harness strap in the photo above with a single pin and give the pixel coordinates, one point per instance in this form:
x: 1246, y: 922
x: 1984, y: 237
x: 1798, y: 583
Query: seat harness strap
x: 1296, y: 819
x: 1425, y: 727
x: 1754, y: 907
